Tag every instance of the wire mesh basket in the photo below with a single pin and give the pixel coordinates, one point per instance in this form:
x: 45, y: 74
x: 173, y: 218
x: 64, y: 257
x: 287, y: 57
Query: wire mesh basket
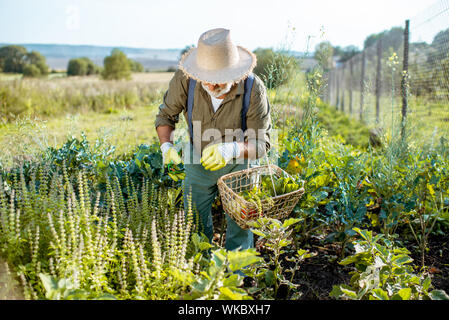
x: 242, y: 211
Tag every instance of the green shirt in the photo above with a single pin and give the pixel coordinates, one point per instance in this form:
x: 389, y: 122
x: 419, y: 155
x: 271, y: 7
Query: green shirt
x: 228, y: 115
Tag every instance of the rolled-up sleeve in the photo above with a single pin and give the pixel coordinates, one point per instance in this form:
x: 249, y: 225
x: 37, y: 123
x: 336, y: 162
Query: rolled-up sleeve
x: 259, y: 119
x: 174, y: 101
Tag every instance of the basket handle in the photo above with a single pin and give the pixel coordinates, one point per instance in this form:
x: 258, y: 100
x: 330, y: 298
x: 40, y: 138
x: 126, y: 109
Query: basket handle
x: 271, y: 174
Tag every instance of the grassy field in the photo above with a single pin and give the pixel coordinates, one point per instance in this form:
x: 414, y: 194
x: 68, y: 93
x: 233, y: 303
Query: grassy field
x: 427, y: 120
x: 124, y: 127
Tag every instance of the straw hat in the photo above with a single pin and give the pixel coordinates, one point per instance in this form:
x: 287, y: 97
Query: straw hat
x: 217, y: 59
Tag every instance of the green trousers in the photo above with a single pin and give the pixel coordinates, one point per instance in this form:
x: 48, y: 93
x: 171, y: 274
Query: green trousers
x: 202, y: 185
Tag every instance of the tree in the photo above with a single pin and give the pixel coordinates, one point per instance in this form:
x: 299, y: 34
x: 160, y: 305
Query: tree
x: 136, y: 66
x: 116, y: 66
x: 324, y: 53
x: 37, y: 59
x: 346, y: 53
x: 77, y: 67
x: 12, y: 58
x: 274, y: 68
x: 31, y: 70
x: 82, y: 67
x: 392, y: 38
x: 91, y: 67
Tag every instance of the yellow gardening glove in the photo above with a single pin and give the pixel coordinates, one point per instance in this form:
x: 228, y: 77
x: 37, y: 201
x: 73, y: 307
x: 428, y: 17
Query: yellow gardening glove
x: 216, y: 156
x: 171, y: 159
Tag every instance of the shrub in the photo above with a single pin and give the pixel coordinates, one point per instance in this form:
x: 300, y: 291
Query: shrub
x: 31, y: 70
x: 12, y: 58
x: 136, y: 66
x: 274, y: 68
x: 37, y: 59
x: 77, y: 67
x: 116, y: 66
x: 383, y: 272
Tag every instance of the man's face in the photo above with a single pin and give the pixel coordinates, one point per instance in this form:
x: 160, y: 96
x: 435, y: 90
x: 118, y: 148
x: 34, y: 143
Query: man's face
x: 217, y: 90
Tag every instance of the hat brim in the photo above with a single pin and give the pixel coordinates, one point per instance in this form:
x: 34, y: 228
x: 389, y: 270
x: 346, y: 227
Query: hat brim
x: 247, y: 62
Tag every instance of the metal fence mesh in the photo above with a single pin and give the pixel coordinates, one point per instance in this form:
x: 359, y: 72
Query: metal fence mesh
x: 368, y: 86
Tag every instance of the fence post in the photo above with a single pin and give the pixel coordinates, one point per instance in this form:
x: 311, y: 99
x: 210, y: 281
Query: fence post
x: 351, y: 70
x: 378, y: 78
x: 404, y: 82
x: 343, y: 82
x: 337, y: 78
x: 362, y: 86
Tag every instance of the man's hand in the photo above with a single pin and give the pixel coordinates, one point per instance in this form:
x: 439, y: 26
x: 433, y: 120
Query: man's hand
x: 217, y: 156
x: 171, y: 158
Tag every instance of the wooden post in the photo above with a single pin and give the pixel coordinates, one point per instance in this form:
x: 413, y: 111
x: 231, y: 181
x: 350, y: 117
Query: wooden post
x: 378, y: 78
x: 337, y: 78
x: 404, y: 82
x: 343, y: 82
x: 351, y: 81
x: 362, y: 85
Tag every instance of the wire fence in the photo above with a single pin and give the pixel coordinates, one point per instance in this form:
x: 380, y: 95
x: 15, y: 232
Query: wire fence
x: 402, y: 73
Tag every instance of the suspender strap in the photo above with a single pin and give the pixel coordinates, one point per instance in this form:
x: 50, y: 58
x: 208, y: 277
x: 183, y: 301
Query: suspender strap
x: 246, y: 98
x: 192, y: 85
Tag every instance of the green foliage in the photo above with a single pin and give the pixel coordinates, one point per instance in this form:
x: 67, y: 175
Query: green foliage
x: 337, y: 123
x: 81, y: 67
x: 69, y: 241
x: 12, y: 58
x: 116, y: 66
x: 346, y: 53
x: 270, y: 277
x: 16, y: 59
x: 32, y: 71
x: 48, y: 99
x: 34, y: 58
x: 383, y: 272
x: 274, y: 68
x: 392, y: 38
x: 136, y: 66
x: 324, y: 53
x: 220, y: 280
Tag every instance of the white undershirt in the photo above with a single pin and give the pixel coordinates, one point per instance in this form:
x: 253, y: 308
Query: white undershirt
x: 216, y: 103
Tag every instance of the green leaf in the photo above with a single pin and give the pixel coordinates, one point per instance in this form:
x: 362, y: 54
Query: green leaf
x: 269, y: 278
x: 287, y: 223
x: 351, y: 294
x: 401, y: 259
x: 439, y: 295
x: 50, y: 285
x: 336, y: 292
x: 234, y: 280
x: 259, y: 233
x: 350, y: 259
x: 241, y: 259
x: 405, y: 293
x: 219, y: 257
x: 365, y: 234
x: 426, y: 284
x: 380, y: 294
x: 232, y: 294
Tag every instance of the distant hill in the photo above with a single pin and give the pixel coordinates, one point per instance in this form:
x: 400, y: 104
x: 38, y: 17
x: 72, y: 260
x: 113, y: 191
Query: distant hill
x: 58, y: 55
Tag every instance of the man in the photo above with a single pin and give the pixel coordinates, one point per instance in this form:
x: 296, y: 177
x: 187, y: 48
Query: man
x: 216, y: 110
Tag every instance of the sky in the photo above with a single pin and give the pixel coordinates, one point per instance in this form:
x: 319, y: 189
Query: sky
x: 281, y: 24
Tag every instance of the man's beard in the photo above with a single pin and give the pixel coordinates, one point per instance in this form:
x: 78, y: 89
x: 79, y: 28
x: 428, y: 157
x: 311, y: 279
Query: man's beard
x: 219, y: 91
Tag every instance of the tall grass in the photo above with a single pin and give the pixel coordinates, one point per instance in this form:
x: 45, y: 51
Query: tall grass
x: 59, y: 96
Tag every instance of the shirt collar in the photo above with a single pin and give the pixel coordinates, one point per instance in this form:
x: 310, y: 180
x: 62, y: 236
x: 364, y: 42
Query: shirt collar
x: 237, y: 89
